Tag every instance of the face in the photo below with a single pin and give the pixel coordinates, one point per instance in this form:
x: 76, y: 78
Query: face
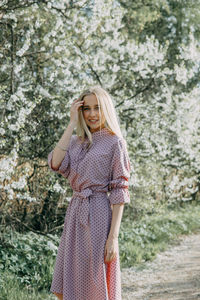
x: 91, y: 112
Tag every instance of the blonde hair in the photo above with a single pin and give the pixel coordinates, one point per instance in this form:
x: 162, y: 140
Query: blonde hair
x: 106, y: 107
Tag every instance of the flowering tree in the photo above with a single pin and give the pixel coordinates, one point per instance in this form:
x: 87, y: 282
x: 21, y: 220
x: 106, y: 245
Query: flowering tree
x: 146, y: 56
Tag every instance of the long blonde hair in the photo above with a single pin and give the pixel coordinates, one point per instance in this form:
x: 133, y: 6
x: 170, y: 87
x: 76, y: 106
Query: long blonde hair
x: 105, y: 104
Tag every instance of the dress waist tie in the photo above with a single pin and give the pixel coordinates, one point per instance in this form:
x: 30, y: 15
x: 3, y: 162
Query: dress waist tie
x: 85, y: 195
x: 95, y: 262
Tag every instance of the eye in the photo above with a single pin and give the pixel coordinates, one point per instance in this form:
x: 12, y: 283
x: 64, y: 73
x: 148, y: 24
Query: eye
x: 85, y: 108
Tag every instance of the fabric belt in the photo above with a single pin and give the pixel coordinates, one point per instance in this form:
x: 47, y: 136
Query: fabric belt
x: 83, y: 216
x: 85, y: 195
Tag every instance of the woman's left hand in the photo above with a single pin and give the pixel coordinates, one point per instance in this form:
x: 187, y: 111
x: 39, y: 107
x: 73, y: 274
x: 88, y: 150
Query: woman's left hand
x: 111, y: 249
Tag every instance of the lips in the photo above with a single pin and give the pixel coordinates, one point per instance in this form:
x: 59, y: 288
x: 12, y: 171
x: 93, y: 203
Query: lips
x: 93, y: 121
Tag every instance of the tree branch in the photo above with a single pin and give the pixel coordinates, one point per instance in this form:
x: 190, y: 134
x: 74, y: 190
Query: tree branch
x: 36, y: 231
x: 25, y: 5
x: 95, y: 73
x: 12, y: 59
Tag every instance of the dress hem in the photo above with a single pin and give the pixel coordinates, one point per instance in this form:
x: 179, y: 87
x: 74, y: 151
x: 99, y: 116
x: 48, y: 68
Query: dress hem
x: 55, y: 291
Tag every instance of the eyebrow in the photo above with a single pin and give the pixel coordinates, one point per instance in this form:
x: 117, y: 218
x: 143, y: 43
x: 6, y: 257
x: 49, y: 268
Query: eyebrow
x: 89, y: 106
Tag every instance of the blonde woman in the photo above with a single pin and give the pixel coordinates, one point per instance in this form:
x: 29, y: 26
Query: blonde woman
x: 96, y: 163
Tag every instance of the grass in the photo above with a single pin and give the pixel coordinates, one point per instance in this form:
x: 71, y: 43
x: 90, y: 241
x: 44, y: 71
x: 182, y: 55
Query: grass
x: 140, y: 241
x: 12, y: 289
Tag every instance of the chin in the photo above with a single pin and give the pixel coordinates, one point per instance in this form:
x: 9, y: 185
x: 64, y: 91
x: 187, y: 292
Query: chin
x: 95, y: 126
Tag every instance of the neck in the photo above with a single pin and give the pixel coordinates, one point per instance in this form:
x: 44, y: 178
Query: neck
x: 96, y: 129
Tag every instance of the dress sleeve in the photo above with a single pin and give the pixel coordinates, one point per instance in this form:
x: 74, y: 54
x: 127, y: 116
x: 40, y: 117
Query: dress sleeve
x: 64, y: 167
x: 120, y: 174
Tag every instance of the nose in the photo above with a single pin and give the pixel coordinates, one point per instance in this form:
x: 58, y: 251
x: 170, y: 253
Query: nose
x: 92, y: 112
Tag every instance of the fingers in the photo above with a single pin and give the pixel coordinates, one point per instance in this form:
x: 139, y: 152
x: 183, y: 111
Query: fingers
x: 110, y: 257
x: 110, y: 252
x: 109, y: 260
x: 77, y: 101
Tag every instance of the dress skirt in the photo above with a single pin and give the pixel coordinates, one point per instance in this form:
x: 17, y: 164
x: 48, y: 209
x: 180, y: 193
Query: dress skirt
x: 80, y: 270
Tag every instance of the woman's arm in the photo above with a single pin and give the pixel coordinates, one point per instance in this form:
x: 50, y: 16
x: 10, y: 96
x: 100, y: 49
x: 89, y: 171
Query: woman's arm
x: 58, y: 154
x: 64, y: 142
x: 117, y: 212
x: 111, y: 246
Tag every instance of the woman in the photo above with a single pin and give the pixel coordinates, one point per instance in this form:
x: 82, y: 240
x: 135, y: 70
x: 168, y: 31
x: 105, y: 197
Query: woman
x: 94, y: 161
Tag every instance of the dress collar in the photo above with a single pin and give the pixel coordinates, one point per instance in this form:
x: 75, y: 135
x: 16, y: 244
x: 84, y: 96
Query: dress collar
x: 96, y: 135
x: 100, y: 133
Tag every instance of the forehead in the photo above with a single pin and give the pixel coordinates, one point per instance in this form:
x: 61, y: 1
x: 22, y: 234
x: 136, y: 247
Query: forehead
x: 90, y: 100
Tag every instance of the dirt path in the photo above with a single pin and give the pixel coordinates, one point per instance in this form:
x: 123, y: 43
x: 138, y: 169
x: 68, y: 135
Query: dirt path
x: 173, y: 275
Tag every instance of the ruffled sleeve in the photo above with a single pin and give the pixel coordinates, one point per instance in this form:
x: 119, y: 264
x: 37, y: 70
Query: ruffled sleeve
x: 64, y: 167
x: 120, y: 174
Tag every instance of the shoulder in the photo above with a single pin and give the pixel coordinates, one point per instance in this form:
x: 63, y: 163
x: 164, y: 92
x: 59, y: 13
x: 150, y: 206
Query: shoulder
x: 76, y: 140
x: 118, y: 141
x: 73, y: 137
x: 73, y: 140
x: 117, y: 144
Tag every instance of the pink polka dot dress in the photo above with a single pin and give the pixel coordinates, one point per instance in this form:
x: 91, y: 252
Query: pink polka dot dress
x: 80, y: 270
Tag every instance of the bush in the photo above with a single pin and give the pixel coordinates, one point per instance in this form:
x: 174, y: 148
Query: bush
x: 30, y: 257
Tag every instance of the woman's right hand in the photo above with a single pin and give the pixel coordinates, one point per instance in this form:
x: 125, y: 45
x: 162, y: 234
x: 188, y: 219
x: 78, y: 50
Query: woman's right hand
x: 74, y: 111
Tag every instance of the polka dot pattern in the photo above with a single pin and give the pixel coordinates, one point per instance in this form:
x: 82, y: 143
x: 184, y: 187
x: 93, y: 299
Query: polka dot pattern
x: 80, y: 270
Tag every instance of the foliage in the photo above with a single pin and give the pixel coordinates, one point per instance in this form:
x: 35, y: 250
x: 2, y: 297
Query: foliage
x: 30, y: 257
x: 146, y: 54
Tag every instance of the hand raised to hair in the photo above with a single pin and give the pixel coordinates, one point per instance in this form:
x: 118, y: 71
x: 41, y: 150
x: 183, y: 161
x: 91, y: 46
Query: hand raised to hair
x: 76, y: 104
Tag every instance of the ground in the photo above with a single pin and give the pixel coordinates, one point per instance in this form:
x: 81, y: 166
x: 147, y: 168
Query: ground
x: 173, y: 275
